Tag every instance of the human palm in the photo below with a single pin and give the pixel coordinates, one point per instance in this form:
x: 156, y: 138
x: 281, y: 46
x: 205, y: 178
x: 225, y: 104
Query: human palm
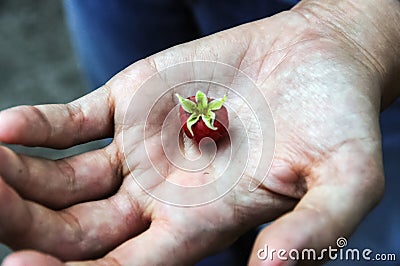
x: 325, y: 105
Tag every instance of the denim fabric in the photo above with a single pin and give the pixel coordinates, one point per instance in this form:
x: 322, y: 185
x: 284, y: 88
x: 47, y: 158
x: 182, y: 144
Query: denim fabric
x: 111, y: 34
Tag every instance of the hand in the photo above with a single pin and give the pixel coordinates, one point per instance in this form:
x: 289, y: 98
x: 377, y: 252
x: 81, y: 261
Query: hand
x: 324, y: 95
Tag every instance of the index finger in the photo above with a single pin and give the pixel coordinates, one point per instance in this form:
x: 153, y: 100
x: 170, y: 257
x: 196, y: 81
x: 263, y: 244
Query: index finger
x: 59, y: 125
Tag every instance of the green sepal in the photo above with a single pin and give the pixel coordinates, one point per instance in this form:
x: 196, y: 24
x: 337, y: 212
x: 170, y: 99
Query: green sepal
x: 201, y: 109
x: 202, y: 101
x: 187, y: 105
x: 193, y: 118
x: 216, y: 104
x: 209, y: 120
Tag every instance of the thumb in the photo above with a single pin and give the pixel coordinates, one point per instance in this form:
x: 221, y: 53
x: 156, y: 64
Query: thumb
x: 344, y: 188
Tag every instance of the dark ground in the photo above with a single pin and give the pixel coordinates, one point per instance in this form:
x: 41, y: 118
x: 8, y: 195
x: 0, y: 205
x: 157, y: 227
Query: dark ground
x: 37, y: 64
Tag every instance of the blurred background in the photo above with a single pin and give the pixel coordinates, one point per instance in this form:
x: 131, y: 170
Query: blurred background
x: 37, y: 64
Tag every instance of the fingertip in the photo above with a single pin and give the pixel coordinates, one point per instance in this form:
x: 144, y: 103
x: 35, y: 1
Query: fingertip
x: 31, y: 258
x: 4, y: 126
x: 14, y: 260
x: 10, y: 260
x: 12, y: 123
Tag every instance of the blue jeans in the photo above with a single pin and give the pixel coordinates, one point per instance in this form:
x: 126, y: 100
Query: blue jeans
x: 112, y: 34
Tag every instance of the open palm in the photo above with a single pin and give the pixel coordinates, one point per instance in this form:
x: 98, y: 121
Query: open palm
x: 94, y: 206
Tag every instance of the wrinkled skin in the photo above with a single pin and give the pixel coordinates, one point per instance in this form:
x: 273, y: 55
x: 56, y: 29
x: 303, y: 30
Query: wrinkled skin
x: 325, y: 177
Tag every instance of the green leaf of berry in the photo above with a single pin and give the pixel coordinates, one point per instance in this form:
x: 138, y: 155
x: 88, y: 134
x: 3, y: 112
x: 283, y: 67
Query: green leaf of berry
x: 201, y: 109
x: 216, y: 104
x: 187, y: 104
x: 202, y: 102
x: 193, y: 118
x: 209, y: 120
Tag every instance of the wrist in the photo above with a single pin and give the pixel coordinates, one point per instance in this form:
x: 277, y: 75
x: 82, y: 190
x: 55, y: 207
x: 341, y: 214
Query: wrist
x: 371, y: 28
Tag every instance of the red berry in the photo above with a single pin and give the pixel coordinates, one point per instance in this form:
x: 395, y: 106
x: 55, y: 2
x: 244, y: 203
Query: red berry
x: 204, y: 117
